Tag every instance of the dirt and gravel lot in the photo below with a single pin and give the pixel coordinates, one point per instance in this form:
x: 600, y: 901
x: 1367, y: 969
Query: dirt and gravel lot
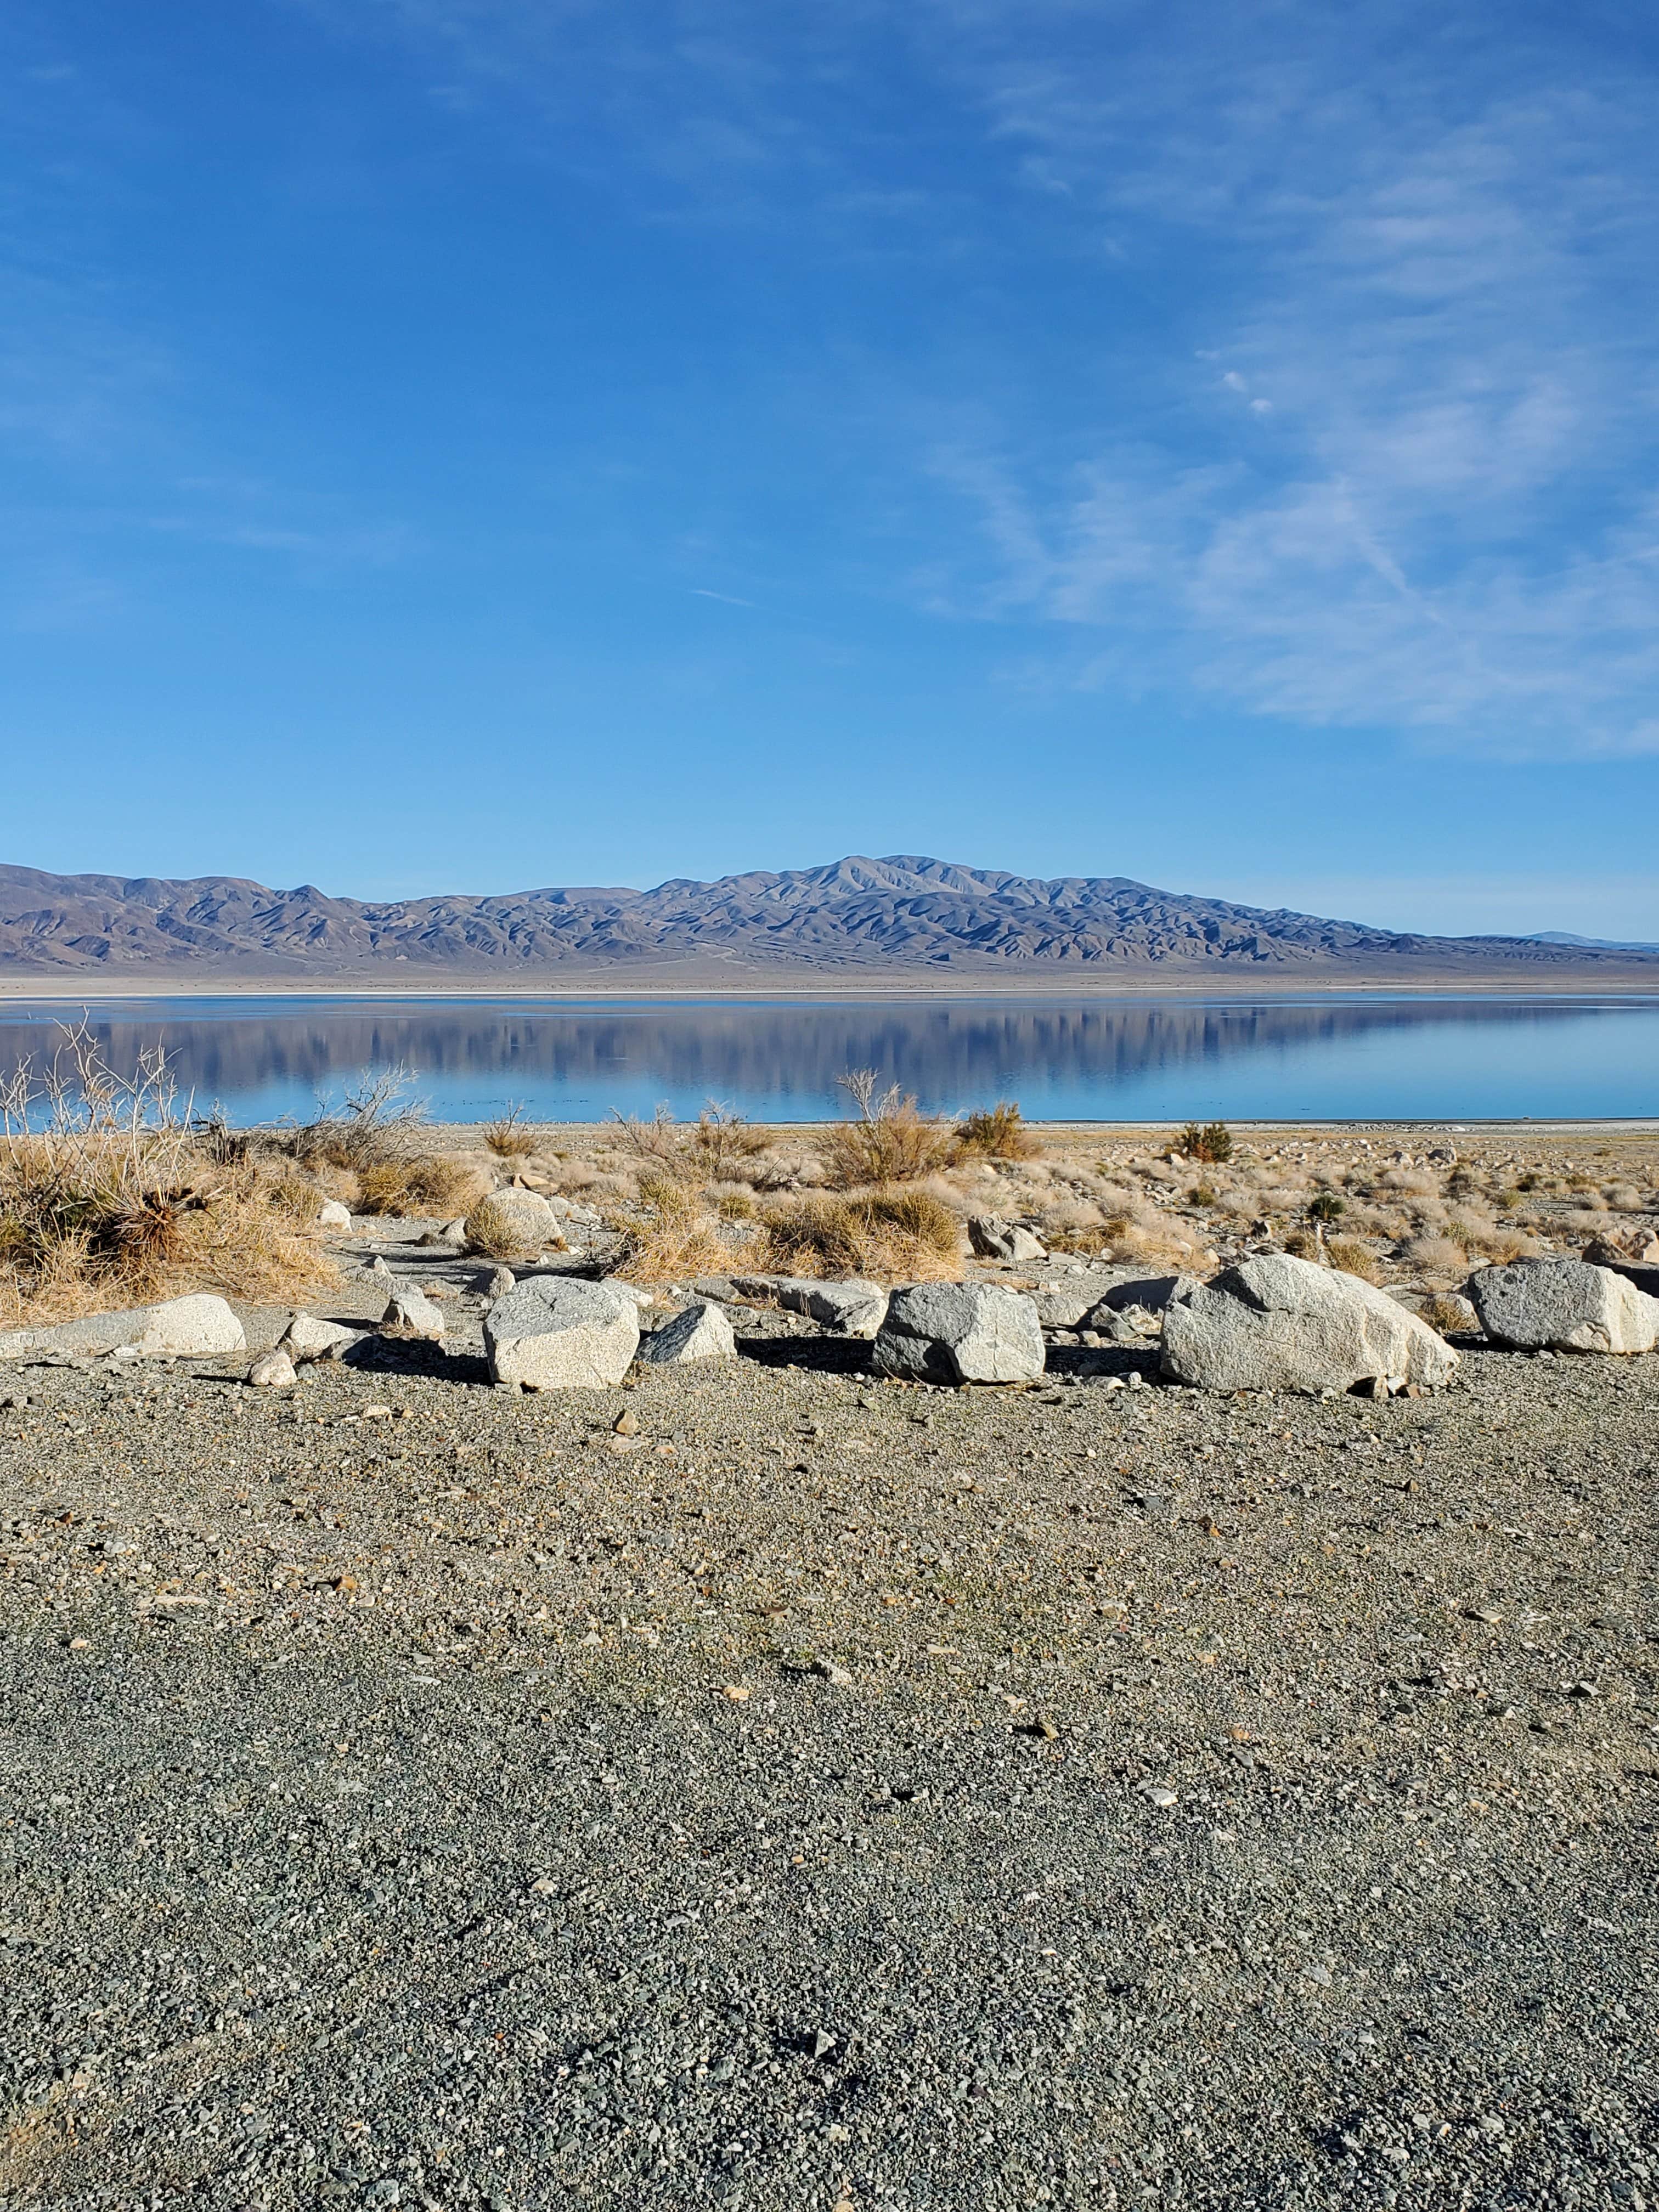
x: 830, y: 1794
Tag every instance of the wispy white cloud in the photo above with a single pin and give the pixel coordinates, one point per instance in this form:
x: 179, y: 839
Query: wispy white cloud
x: 1426, y: 396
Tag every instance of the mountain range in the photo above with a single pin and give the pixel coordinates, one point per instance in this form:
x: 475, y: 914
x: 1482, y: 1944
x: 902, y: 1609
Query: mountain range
x: 852, y: 921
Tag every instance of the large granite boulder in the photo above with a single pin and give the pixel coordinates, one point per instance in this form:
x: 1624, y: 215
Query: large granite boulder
x: 200, y: 1327
x: 702, y: 1332
x: 555, y: 1333
x: 1564, y: 1305
x: 960, y: 1332
x: 1276, y: 1323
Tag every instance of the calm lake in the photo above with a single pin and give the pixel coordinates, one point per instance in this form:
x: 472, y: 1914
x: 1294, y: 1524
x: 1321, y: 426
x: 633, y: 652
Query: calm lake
x: 1370, y: 1056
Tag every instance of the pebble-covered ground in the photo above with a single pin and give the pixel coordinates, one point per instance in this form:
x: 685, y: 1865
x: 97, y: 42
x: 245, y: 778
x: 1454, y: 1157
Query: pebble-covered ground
x: 830, y: 1794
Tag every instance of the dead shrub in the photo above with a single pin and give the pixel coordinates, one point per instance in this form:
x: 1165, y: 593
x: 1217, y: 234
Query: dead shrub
x: 723, y: 1142
x: 999, y: 1134
x: 510, y: 1136
x: 376, y: 1122
x: 436, y: 1185
x: 891, y: 1141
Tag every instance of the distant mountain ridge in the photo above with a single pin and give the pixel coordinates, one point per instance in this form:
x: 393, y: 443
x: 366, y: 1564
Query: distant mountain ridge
x: 853, y: 919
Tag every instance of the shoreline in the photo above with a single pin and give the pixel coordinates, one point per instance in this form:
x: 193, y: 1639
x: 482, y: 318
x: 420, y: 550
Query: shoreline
x: 656, y: 991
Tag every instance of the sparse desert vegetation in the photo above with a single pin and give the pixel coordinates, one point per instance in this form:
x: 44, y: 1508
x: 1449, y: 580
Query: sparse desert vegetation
x: 112, y: 1191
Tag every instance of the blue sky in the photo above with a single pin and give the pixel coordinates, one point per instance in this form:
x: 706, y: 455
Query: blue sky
x: 470, y: 444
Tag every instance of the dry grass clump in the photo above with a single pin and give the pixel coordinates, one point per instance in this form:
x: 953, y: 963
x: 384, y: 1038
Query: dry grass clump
x: 1437, y: 1255
x: 669, y: 1233
x: 510, y: 1136
x: 723, y: 1143
x: 997, y: 1133
x: 892, y: 1140
x: 110, y: 1197
x: 1444, y: 1315
x: 1350, y: 1257
x: 435, y: 1185
x: 888, y: 1236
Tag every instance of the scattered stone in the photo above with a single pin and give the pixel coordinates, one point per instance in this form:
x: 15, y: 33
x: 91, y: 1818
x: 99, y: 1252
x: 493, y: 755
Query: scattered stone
x: 272, y: 1370
x: 1564, y: 1305
x: 994, y: 1238
x: 836, y: 1676
x: 379, y: 1269
x: 200, y: 1327
x: 501, y: 1283
x: 331, y: 1214
x: 701, y: 1331
x: 412, y: 1317
x: 627, y: 1425
x: 1277, y: 1323
x: 853, y: 1308
x: 960, y: 1332
x: 556, y: 1332
x: 306, y: 1339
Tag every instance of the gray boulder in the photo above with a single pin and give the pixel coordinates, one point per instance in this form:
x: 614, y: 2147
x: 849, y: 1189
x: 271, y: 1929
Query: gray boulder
x: 994, y: 1238
x: 854, y: 1308
x: 306, y: 1339
x: 200, y: 1327
x: 960, y: 1332
x: 412, y: 1317
x: 556, y: 1334
x: 1564, y: 1305
x: 702, y: 1332
x: 1276, y: 1323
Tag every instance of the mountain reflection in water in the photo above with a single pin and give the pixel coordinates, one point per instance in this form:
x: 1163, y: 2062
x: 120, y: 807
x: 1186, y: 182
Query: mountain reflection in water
x: 1398, y: 1055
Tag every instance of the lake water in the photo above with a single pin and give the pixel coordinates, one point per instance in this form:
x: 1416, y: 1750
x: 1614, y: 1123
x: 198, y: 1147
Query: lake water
x: 1360, y: 1057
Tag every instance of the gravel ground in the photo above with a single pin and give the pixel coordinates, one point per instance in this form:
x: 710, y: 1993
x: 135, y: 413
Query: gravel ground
x: 831, y: 1793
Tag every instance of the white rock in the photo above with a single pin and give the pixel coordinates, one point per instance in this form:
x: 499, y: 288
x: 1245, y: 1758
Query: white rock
x: 379, y: 1269
x: 1564, y: 1305
x: 994, y: 1238
x: 854, y: 1308
x: 960, y: 1332
x: 306, y: 1339
x: 200, y: 1327
x: 640, y: 1296
x: 554, y: 1334
x: 331, y: 1214
x: 501, y: 1282
x: 702, y: 1332
x: 1276, y: 1323
x: 513, y: 1220
x: 413, y: 1318
x: 272, y: 1370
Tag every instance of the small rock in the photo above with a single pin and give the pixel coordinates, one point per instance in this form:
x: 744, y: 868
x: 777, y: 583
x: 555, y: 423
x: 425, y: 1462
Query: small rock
x: 994, y: 1238
x: 307, y: 1338
x: 331, y: 1214
x: 413, y: 1318
x: 1155, y: 1793
x: 833, y: 1674
x: 272, y: 1370
x: 702, y: 1332
x: 501, y: 1283
x: 379, y: 1269
x: 627, y: 1425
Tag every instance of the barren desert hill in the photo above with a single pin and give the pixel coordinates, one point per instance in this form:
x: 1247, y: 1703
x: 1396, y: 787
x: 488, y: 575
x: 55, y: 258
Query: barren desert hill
x: 853, y: 919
